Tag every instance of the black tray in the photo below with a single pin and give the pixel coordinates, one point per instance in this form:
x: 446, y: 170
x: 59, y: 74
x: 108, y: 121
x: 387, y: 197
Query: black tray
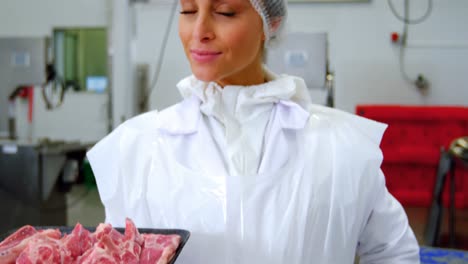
x: 184, y: 234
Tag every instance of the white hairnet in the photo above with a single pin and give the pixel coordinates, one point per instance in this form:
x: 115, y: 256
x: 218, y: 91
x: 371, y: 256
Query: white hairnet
x: 273, y: 13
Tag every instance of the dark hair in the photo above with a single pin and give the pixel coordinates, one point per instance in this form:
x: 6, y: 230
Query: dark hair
x: 275, y: 8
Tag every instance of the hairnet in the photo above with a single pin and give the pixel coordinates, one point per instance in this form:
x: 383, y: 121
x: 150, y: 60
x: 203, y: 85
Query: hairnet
x: 273, y: 14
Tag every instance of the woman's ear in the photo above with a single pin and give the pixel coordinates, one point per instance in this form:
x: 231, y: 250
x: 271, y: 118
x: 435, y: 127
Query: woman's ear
x: 275, y: 23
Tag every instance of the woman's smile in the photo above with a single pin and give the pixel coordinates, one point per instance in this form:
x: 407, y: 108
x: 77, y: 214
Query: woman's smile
x: 204, y: 56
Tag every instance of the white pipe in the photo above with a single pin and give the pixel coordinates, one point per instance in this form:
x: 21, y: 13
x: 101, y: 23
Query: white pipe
x: 122, y: 92
x: 421, y: 44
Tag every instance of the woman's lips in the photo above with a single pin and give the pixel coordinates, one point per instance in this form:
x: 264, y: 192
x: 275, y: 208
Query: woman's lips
x: 204, y: 55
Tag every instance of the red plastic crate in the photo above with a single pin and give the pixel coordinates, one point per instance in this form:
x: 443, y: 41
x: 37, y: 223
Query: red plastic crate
x: 411, y: 146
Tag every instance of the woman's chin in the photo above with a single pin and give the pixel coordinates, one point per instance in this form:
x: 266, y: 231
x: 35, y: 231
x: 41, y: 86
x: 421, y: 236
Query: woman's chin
x: 205, y: 75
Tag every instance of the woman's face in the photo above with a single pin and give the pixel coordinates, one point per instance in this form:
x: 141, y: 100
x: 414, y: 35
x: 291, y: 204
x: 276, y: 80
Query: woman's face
x: 223, y: 40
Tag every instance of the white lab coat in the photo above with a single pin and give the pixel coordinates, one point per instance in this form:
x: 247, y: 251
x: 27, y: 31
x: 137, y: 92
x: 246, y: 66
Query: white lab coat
x: 318, y: 196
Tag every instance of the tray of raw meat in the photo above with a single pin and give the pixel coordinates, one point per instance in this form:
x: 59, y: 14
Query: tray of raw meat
x: 85, y: 245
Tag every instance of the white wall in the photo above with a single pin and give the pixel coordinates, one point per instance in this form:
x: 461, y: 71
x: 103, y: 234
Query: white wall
x: 364, y: 60
x: 83, y: 116
x: 366, y: 63
x: 30, y: 18
x: 362, y: 57
x: 150, y: 22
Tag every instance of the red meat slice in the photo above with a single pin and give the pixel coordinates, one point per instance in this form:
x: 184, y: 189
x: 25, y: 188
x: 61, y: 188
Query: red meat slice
x: 105, y: 246
x: 107, y: 230
x: 42, y: 249
x: 113, y: 247
x: 105, y: 251
x: 18, y: 236
x: 97, y: 256
x: 13, y: 245
x: 131, y: 232
x: 78, y: 241
x: 159, y: 249
x: 131, y: 245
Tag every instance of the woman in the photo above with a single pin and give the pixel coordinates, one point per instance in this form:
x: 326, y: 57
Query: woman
x: 246, y: 163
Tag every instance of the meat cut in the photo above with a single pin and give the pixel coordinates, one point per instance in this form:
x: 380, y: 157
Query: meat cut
x: 158, y: 248
x: 105, y: 245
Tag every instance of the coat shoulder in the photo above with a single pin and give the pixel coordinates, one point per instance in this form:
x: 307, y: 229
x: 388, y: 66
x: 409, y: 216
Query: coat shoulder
x: 356, y: 127
x: 144, y: 122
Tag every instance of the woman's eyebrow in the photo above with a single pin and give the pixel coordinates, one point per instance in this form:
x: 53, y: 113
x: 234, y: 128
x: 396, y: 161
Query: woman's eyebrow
x: 236, y: 2
x: 230, y: 2
x: 219, y: 2
x: 186, y: 1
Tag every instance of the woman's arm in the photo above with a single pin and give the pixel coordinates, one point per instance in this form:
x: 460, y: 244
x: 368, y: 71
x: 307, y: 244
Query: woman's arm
x: 387, y: 236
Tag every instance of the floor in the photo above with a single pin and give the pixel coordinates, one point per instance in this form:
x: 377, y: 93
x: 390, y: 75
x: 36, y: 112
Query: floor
x: 86, y: 208
x: 418, y: 218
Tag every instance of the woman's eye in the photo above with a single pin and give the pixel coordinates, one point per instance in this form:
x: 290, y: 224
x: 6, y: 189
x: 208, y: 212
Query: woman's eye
x: 187, y: 12
x: 227, y: 14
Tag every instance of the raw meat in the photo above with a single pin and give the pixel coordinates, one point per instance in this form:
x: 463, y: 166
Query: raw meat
x: 78, y: 241
x: 105, y: 251
x: 18, y: 236
x: 159, y: 249
x: 105, y: 246
x: 113, y: 247
x: 42, y: 249
x: 16, y: 243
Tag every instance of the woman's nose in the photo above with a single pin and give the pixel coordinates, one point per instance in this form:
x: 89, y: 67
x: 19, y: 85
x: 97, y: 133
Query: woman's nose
x: 203, y: 30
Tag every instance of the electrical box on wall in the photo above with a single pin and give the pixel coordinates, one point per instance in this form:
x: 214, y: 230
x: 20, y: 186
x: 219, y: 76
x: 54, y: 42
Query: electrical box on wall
x: 22, y: 62
x: 303, y: 55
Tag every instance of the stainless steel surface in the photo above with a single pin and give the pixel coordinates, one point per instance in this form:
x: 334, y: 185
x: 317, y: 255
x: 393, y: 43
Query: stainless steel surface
x: 31, y: 169
x: 29, y: 173
x: 29, y: 181
x: 22, y: 61
x: 18, y: 213
x: 51, y: 168
x: 19, y: 172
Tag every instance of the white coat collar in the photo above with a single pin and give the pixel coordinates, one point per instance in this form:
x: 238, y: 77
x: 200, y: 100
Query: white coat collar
x: 287, y: 92
x: 182, y: 118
